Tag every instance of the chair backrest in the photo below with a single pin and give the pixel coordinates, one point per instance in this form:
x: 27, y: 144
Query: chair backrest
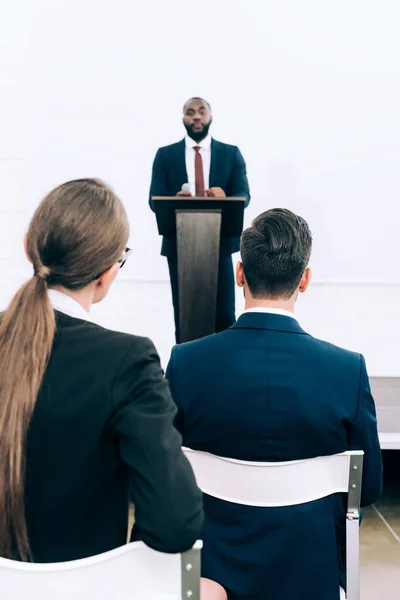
x: 276, y: 483
x: 272, y: 484
x: 132, y: 571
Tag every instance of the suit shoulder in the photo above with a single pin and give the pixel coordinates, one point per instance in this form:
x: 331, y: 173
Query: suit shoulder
x: 127, y: 340
x: 101, y: 338
x: 335, y: 351
x: 227, y: 147
x: 203, y: 345
x: 171, y: 147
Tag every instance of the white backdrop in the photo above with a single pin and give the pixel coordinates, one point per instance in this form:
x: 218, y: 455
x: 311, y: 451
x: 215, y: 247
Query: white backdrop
x: 308, y: 89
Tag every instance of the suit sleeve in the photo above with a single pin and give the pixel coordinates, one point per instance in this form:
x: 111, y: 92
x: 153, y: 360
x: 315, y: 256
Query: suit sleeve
x: 158, y: 186
x: 170, y: 376
x: 168, y: 503
x: 240, y: 184
x: 364, y: 436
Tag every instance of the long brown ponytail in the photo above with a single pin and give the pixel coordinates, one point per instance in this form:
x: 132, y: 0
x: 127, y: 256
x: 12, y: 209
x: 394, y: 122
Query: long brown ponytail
x: 77, y: 232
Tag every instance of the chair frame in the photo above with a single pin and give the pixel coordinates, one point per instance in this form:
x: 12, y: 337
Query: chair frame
x: 189, y: 563
x: 354, y: 459
x: 353, y: 526
x: 190, y: 574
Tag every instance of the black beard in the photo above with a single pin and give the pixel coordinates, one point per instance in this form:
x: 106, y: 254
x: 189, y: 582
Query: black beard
x: 197, y: 136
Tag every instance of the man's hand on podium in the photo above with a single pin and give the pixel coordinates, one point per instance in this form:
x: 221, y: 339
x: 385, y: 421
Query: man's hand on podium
x: 215, y: 192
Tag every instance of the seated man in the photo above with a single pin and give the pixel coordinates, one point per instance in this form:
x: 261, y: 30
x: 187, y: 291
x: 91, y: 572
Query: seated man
x: 265, y: 390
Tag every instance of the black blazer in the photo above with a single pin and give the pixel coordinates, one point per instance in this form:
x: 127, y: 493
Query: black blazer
x: 227, y: 171
x: 265, y: 390
x: 101, y: 434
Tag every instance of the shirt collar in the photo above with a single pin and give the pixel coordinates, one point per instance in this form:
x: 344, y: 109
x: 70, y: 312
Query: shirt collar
x: 67, y: 305
x: 205, y: 144
x: 272, y: 311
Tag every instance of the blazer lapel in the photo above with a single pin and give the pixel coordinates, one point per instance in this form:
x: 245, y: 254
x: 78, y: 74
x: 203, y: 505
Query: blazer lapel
x: 178, y: 166
x: 216, y: 162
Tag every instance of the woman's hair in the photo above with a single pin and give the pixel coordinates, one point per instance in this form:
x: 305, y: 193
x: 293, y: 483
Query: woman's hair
x: 78, y: 231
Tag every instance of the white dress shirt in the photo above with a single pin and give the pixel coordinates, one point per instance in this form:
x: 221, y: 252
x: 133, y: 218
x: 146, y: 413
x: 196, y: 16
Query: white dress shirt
x: 205, y: 152
x: 67, y: 305
x: 272, y: 311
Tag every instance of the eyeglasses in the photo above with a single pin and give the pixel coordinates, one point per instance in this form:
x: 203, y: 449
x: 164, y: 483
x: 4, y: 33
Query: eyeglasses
x: 121, y: 261
x: 124, y: 258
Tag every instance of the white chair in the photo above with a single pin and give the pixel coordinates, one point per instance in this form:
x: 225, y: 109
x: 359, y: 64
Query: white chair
x: 288, y: 484
x: 131, y: 572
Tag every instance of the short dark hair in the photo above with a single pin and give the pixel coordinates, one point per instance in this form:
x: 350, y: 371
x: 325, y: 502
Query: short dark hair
x: 196, y: 98
x: 275, y: 252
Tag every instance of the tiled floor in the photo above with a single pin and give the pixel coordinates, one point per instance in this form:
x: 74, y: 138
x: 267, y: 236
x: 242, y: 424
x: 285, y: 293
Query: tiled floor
x: 380, y: 538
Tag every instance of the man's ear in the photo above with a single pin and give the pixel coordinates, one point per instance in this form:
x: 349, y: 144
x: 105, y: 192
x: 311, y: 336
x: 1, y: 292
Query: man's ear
x: 305, y: 280
x: 240, y: 278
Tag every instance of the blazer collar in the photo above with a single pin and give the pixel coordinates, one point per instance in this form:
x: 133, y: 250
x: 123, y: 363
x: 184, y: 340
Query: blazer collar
x: 216, y: 161
x: 179, y: 162
x: 259, y: 320
x: 206, y: 143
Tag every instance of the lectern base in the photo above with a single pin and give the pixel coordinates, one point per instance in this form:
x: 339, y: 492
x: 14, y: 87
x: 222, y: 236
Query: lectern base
x: 198, y: 236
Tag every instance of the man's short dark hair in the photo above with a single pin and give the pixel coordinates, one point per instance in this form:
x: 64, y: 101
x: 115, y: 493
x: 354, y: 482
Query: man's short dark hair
x: 196, y: 98
x: 275, y: 251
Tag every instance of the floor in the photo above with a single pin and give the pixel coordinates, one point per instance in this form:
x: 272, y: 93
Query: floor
x: 380, y: 538
x: 380, y: 532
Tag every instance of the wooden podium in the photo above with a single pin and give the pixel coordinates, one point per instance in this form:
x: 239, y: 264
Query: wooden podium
x: 198, y: 225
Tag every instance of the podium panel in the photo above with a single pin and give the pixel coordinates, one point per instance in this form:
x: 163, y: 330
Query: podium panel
x: 198, y: 235
x: 232, y: 210
x: 198, y: 225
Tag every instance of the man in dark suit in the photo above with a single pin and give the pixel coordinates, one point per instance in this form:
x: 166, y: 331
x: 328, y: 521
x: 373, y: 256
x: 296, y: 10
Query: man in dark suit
x: 265, y: 390
x: 212, y: 169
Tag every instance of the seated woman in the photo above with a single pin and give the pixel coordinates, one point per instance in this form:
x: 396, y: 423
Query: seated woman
x: 86, y: 416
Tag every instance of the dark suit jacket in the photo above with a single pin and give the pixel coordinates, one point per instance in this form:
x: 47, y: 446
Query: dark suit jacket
x: 266, y: 390
x: 227, y: 171
x: 102, y: 433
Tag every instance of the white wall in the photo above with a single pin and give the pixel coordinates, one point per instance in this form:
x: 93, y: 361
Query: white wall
x: 309, y: 91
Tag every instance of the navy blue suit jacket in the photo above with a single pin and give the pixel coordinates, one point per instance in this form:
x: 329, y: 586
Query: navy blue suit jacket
x: 227, y: 171
x: 265, y: 390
